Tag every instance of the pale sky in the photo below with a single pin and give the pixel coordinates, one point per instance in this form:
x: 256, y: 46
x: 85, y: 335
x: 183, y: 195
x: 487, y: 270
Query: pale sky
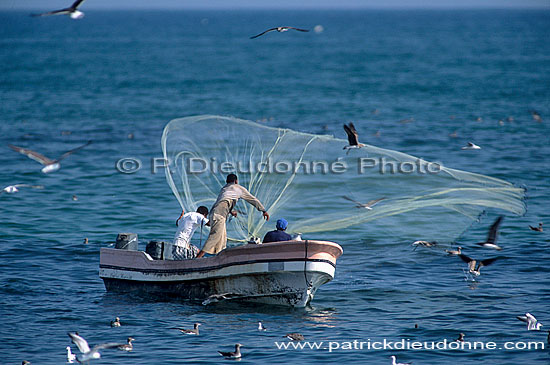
x: 274, y: 4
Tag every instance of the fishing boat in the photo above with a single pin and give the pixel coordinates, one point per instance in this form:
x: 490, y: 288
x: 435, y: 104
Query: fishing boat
x: 282, y: 273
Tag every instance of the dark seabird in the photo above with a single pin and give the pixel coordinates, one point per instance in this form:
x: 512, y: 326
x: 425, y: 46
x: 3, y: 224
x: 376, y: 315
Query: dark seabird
x: 86, y: 242
x: 72, y: 11
x: 471, y: 146
x: 12, y: 189
x: 74, y: 197
x: 492, y: 236
x: 532, y: 323
x: 126, y: 346
x: 406, y: 120
x: 352, y: 137
x: 232, y: 355
x: 294, y: 336
x: 194, y: 331
x: 394, y: 361
x: 472, y: 263
x: 49, y: 164
x: 25, y: 362
x: 538, y: 229
x: 278, y: 29
x: 458, y: 251
x: 460, y: 337
x: 424, y: 244
x: 116, y: 322
x: 368, y: 205
x: 87, y: 353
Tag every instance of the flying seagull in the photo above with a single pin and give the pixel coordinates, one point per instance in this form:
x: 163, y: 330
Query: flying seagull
x: 70, y: 356
x: 116, y: 322
x: 394, y: 361
x: 232, y: 355
x: 194, y: 331
x: 532, y: 323
x: 72, y: 11
x: 471, y: 146
x: 492, y: 236
x: 538, y: 229
x: 12, y: 189
x: 472, y: 263
x: 368, y: 205
x: 352, y: 137
x: 278, y: 29
x: 49, y: 164
x: 295, y: 336
x: 87, y: 353
x: 424, y: 244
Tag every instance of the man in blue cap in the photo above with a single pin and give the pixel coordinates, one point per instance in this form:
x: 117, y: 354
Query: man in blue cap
x: 279, y: 234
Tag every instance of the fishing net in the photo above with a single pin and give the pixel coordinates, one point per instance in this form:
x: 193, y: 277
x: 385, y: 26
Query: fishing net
x: 310, y: 180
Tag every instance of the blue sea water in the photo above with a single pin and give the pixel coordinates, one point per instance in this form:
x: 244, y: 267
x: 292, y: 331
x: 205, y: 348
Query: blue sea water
x: 115, y: 73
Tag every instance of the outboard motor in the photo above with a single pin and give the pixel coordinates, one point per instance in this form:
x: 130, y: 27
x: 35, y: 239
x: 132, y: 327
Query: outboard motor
x: 127, y: 241
x: 159, y: 250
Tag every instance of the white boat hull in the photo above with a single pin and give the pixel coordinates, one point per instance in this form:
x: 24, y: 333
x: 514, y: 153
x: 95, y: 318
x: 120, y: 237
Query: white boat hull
x: 282, y: 273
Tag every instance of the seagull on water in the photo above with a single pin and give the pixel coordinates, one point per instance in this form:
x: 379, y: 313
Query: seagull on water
x: 368, y: 205
x: 194, y: 331
x: 394, y: 361
x: 471, y: 146
x: 424, y: 244
x: 49, y: 164
x: 492, y: 236
x: 126, y: 346
x: 538, y: 229
x: 232, y: 354
x: 460, y: 337
x: 70, y: 356
x: 261, y: 327
x: 294, y: 336
x: 72, y: 11
x: 116, y: 322
x: 536, y: 116
x: 280, y: 30
x: 532, y: 323
x: 25, y: 362
x: 458, y: 251
x: 472, y: 263
x: 12, y: 189
x: 87, y: 353
x: 353, y: 138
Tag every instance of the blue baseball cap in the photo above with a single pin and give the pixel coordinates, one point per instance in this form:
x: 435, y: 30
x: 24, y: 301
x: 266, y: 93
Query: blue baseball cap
x: 282, y: 224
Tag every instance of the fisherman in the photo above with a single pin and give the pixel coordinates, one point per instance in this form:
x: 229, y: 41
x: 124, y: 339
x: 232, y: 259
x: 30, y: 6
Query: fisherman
x: 228, y: 197
x: 183, y: 249
x: 279, y: 234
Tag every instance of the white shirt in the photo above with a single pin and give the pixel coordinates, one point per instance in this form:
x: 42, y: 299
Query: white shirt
x: 187, y: 226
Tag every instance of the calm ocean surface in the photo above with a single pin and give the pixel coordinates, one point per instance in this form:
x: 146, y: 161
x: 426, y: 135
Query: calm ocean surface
x: 115, y: 73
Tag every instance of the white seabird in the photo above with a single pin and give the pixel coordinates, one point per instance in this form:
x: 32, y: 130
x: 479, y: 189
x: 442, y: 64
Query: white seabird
x: 532, y: 323
x: 232, y: 354
x: 295, y: 336
x: 491, y: 241
x: 261, y: 327
x: 278, y: 29
x: 72, y: 11
x: 460, y: 337
x: 87, y: 353
x: 49, y: 164
x: 536, y: 116
x: 12, y: 189
x: 353, y: 137
x: 472, y: 264
x: 126, y: 346
x: 428, y: 244
x: 368, y: 205
x: 394, y: 361
x: 194, y: 331
x: 116, y: 322
x: 471, y: 146
x: 70, y: 356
